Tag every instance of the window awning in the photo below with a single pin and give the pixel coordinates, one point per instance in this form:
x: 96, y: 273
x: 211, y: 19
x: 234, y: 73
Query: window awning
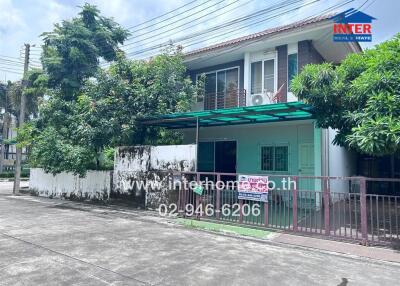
x: 233, y: 116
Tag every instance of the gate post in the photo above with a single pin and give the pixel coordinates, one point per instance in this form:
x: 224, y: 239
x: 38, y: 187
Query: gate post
x: 197, y: 195
x: 363, y: 210
x: 184, y: 196
x: 327, y: 206
x: 179, y: 193
x: 218, y: 200
x: 241, y: 211
x: 295, y: 204
x: 266, y: 212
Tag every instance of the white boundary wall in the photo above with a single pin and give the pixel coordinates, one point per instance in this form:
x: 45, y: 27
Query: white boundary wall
x: 342, y: 163
x: 95, y: 186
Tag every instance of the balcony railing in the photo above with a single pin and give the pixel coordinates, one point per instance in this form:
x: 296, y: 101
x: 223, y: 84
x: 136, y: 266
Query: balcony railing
x: 225, y: 99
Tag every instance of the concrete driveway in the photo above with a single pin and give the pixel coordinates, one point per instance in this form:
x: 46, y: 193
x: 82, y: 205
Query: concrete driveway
x: 53, y: 242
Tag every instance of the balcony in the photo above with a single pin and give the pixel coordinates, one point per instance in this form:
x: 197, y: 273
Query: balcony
x: 225, y: 99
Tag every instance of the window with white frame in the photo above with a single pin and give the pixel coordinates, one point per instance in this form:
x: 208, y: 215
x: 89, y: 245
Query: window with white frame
x: 218, y: 84
x: 221, y: 80
x: 263, y: 76
x: 275, y: 158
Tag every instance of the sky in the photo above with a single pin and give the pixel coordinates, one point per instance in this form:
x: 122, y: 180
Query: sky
x: 23, y: 21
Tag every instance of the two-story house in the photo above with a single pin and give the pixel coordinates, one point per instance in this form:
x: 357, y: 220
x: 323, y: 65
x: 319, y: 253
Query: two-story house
x: 248, y: 120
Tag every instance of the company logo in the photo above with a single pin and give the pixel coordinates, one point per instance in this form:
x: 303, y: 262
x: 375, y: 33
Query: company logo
x: 352, y: 26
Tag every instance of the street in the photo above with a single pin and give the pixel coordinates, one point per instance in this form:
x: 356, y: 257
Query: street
x: 55, y: 242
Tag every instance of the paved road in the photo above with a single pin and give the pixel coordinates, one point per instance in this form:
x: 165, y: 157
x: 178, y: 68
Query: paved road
x: 6, y: 187
x: 53, y: 242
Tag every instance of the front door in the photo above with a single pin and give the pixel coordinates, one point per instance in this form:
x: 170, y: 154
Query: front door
x: 306, y: 166
x: 217, y: 156
x: 225, y: 158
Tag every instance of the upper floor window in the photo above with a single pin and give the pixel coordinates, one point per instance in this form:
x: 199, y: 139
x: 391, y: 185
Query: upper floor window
x: 263, y: 76
x: 292, y: 68
x: 219, y: 86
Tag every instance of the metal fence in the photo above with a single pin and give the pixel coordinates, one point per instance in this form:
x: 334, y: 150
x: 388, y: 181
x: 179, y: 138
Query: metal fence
x: 335, y: 207
x: 225, y: 99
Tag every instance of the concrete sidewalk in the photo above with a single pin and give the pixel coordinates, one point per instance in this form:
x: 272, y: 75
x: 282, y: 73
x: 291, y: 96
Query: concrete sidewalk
x: 53, y: 242
x: 377, y: 253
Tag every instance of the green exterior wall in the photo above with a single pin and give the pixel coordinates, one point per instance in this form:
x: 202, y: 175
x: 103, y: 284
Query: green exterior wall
x: 317, y: 151
x: 251, y: 137
x: 317, y: 157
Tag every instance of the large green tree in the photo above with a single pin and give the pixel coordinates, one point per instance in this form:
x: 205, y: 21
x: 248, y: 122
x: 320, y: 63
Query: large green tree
x: 72, y: 51
x: 360, y: 98
x: 72, y: 135
x: 131, y: 90
x: 90, y: 110
x: 71, y: 55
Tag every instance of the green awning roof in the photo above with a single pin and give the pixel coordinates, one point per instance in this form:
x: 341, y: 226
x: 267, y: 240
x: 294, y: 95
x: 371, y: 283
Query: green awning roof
x: 233, y: 116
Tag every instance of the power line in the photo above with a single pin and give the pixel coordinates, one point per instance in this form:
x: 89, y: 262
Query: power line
x: 283, y: 12
x: 160, y: 16
x: 185, y: 17
x: 245, y: 18
x: 191, y: 26
x: 173, y: 16
x: 158, y: 28
x: 215, y: 4
x: 183, y: 12
x: 217, y: 53
x: 249, y: 16
x: 10, y: 71
x: 4, y: 56
x: 10, y: 61
x: 11, y: 66
x: 257, y: 23
x: 219, y: 28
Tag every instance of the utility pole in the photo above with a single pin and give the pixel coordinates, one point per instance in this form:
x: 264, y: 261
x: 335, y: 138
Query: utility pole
x: 18, y: 159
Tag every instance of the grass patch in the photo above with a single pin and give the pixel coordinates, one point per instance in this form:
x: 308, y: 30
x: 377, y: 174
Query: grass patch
x: 224, y: 228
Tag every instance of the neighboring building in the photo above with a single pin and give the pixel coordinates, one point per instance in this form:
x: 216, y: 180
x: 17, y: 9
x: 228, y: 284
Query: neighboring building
x: 250, y: 122
x: 10, y: 149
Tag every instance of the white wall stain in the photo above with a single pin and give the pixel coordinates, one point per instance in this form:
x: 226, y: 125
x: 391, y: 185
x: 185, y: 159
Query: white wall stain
x: 95, y: 186
x: 143, y: 172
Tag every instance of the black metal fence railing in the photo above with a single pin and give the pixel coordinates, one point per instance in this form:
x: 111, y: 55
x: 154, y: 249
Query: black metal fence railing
x: 225, y: 99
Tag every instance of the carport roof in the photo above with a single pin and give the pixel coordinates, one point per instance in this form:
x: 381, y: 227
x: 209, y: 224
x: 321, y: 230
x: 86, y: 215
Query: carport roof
x: 233, y: 116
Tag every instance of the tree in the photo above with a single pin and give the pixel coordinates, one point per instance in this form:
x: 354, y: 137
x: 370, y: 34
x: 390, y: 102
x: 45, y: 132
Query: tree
x: 35, y: 89
x: 360, y: 98
x: 89, y: 110
x: 72, y: 135
x: 131, y: 90
x: 71, y: 52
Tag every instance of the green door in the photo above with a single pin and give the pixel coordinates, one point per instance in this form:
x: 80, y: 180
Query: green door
x: 306, y: 166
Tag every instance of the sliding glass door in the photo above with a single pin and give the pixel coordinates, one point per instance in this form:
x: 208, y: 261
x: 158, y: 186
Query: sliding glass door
x: 221, y: 88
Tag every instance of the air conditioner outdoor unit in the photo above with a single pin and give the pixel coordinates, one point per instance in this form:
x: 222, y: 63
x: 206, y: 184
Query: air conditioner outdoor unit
x: 262, y: 98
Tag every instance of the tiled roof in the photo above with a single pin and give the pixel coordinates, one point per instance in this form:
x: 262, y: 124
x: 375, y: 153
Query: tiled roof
x: 259, y: 35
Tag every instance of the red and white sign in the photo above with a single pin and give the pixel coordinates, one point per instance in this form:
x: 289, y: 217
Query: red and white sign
x: 254, y: 188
